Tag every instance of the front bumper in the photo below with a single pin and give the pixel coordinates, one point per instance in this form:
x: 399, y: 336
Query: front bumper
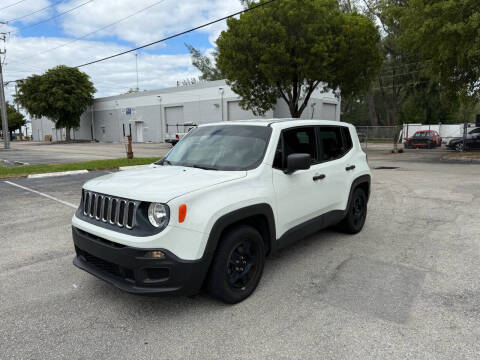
x: 128, y: 269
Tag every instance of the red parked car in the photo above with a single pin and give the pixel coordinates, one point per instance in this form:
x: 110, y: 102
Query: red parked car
x: 423, y: 139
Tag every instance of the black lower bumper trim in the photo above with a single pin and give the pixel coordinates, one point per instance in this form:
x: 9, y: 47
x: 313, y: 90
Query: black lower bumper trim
x: 128, y: 269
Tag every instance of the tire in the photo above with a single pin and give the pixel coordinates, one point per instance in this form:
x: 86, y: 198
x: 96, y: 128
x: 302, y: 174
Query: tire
x: 459, y: 147
x: 356, y: 213
x: 226, y: 281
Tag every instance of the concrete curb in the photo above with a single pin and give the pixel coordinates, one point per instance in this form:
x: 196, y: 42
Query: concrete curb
x: 463, y: 160
x: 62, y: 173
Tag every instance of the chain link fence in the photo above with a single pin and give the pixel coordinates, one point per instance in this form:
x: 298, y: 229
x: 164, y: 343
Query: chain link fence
x: 379, y: 137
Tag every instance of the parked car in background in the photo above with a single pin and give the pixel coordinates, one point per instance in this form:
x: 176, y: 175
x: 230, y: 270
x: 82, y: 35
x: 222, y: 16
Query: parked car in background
x: 423, y: 139
x: 459, y: 144
x: 473, y: 133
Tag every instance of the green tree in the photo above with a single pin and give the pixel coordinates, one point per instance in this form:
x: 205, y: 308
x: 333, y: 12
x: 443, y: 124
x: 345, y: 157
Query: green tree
x: 204, y: 64
x: 61, y: 94
x: 288, y: 48
x: 405, y: 90
x: 446, y: 35
x: 15, y: 119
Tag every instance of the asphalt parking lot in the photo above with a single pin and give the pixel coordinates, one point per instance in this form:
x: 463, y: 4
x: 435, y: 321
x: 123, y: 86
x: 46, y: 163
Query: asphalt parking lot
x: 406, y: 287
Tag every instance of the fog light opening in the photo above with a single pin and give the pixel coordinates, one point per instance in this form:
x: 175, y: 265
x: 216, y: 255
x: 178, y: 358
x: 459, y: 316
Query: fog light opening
x: 155, y: 254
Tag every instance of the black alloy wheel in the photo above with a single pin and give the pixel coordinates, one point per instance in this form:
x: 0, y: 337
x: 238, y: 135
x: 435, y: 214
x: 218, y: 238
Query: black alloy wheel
x: 238, y: 264
x: 242, y: 264
x: 356, y: 213
x: 358, y: 210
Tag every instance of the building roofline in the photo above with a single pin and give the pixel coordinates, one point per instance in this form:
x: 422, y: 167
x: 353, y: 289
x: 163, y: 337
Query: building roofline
x: 201, y: 85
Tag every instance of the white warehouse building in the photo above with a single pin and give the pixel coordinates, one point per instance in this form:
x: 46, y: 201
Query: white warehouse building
x: 150, y: 115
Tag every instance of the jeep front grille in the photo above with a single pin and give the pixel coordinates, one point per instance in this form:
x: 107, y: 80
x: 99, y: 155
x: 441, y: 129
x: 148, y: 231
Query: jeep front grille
x: 110, y: 209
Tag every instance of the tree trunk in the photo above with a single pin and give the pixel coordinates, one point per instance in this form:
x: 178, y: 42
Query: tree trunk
x: 67, y: 134
x: 371, y: 108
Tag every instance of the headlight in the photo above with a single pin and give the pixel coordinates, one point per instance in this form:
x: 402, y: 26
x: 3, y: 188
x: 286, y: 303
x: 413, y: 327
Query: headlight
x: 158, y: 215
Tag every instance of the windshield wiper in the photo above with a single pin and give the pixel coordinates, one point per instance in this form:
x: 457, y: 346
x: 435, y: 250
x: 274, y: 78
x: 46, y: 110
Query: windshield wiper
x: 165, y: 161
x: 204, y: 167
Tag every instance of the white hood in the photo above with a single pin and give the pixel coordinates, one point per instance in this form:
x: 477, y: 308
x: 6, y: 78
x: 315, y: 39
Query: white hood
x: 157, y: 183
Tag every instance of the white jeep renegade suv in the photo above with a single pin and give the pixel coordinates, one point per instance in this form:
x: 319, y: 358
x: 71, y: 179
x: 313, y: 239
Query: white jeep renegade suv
x: 225, y: 197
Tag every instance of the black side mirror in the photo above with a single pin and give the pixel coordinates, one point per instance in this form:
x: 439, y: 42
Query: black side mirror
x: 298, y: 162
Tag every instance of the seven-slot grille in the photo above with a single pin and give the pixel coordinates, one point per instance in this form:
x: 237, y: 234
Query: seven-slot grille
x: 110, y: 209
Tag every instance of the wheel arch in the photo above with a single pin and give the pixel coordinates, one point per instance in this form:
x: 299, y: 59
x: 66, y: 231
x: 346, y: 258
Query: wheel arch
x: 259, y: 216
x: 362, y: 182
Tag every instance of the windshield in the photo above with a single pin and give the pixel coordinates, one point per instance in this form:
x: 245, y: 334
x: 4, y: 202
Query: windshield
x: 221, y: 147
x: 423, y: 134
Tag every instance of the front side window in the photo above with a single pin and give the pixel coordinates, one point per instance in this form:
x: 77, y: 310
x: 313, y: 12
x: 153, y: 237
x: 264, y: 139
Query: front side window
x: 221, y: 147
x: 299, y: 140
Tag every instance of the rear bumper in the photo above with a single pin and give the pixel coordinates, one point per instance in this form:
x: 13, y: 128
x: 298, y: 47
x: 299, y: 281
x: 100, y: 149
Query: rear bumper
x: 128, y: 269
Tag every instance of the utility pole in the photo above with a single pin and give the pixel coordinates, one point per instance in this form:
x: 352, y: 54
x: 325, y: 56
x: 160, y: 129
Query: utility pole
x: 6, y: 133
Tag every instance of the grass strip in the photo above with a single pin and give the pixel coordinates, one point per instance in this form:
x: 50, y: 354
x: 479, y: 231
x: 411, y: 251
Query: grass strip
x: 21, y: 171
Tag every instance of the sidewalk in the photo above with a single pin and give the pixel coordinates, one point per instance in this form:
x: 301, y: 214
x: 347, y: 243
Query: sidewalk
x: 466, y: 157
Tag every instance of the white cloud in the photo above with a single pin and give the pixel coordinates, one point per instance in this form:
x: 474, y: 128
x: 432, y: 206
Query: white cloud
x: 25, y: 8
x: 166, y: 18
x: 109, y: 77
x: 26, y: 56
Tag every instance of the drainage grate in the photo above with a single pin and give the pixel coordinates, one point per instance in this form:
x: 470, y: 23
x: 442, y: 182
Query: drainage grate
x: 386, y: 167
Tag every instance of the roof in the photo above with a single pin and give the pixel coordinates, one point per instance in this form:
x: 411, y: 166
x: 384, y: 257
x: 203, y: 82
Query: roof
x: 282, y: 123
x: 200, y: 85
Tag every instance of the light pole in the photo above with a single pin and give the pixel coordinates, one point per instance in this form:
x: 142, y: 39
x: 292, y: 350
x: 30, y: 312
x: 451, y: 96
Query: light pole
x: 93, y: 125
x: 136, y: 68
x: 313, y: 109
x: 6, y: 133
x: 162, y: 135
x: 221, y: 97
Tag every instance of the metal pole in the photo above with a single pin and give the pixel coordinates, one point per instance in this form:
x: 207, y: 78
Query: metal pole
x: 93, y: 126
x: 6, y: 133
x: 221, y: 93
x: 136, y: 68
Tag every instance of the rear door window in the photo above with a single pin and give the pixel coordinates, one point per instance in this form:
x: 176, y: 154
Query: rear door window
x: 333, y: 142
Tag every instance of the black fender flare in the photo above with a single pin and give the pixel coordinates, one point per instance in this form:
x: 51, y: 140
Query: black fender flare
x: 363, y: 179
x: 233, y: 217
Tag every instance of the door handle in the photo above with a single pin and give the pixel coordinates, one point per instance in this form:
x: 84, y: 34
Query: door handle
x: 351, y: 167
x: 319, y: 177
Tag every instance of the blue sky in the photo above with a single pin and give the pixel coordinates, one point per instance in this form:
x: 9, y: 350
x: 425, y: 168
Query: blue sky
x: 30, y: 50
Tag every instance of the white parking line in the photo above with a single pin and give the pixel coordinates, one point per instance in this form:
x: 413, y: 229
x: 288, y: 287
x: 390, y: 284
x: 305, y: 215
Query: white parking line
x: 42, y: 194
x: 62, y: 173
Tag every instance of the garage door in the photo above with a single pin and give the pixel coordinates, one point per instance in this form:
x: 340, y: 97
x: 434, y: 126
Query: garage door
x: 329, y: 111
x: 235, y: 112
x: 174, y: 116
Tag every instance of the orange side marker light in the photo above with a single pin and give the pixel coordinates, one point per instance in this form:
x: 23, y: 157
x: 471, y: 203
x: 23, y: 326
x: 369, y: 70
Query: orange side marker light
x: 182, y: 213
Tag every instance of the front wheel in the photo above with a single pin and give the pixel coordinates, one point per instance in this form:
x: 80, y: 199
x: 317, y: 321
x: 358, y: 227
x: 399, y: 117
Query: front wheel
x: 238, y: 265
x: 459, y: 147
x: 356, y: 213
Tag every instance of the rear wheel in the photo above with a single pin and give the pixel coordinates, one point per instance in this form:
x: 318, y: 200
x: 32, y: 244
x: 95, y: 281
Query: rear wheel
x: 356, y: 214
x: 238, y: 265
x: 459, y: 146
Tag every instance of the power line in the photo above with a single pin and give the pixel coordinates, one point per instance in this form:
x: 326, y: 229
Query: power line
x: 178, y: 34
x: 34, y: 12
x: 54, y: 17
x: 8, y: 6
x: 95, y: 31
